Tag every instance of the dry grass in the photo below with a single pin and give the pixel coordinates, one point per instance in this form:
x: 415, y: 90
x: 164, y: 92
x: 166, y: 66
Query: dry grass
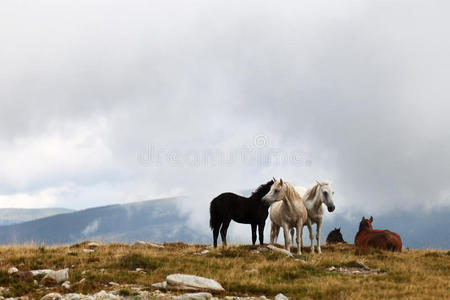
x: 412, y: 274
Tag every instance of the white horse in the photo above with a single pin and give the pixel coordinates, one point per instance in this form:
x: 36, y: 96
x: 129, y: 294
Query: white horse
x: 313, y: 199
x: 286, y: 210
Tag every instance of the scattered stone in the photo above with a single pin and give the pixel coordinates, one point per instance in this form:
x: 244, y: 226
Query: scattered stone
x: 106, y: 296
x: 56, y: 277
x: 52, y: 296
x: 139, y: 269
x: 182, y: 281
x: 66, y: 285
x: 139, y: 243
x: 81, y: 280
x: 279, y: 250
x: 114, y: 283
x: 73, y: 296
x: 88, y: 251
x: 155, y: 245
x: 280, y: 296
x: 160, y: 285
x: 194, y: 296
x: 41, y: 272
x: 93, y: 245
x: 362, y: 265
x: 12, y: 270
x: 204, y: 252
x: 361, y: 269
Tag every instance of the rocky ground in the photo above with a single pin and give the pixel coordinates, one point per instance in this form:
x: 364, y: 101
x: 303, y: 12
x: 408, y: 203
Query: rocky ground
x: 145, y: 270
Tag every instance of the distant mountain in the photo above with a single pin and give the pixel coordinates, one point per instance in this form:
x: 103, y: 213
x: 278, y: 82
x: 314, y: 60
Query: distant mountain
x: 10, y: 216
x: 162, y: 221
x: 157, y: 220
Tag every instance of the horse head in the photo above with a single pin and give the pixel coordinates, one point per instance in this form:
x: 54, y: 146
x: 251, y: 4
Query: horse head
x: 276, y: 193
x: 366, y: 223
x: 326, y: 194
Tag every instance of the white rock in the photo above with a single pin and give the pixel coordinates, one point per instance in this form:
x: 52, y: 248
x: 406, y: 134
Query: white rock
x: 160, y: 285
x: 251, y: 271
x: 280, y: 296
x: 192, y: 281
x: 93, y: 245
x: 88, y: 250
x: 362, y: 265
x: 66, y: 285
x: 276, y: 249
x: 331, y: 269
x: 13, y: 270
x: 52, y: 296
x: 59, y: 276
x: 204, y: 251
x: 155, y: 245
x: 140, y: 243
x: 40, y: 272
x: 73, y: 296
x: 194, y: 296
x: 114, y: 283
x: 102, y: 295
x: 82, y: 280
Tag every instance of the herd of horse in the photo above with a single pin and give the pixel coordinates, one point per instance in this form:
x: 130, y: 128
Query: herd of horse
x: 291, y: 208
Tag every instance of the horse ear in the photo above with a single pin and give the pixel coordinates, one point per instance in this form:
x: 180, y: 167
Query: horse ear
x: 273, y: 178
x: 281, y: 181
x: 318, y: 182
x: 339, y: 228
x: 371, y: 219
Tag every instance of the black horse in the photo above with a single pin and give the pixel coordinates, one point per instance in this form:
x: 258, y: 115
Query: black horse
x: 335, y: 236
x: 229, y: 206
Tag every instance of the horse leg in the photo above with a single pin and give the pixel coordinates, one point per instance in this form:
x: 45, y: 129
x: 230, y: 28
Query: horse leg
x: 277, y: 232
x: 253, y: 233
x: 274, y: 229
x: 299, y: 237
x: 311, y: 235
x: 223, y: 231
x: 261, y: 232
x: 292, y: 235
x: 319, y: 225
x: 216, y: 234
x: 287, y: 238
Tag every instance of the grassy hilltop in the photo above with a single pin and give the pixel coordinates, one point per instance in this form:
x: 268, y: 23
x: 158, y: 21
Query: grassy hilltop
x: 412, y: 274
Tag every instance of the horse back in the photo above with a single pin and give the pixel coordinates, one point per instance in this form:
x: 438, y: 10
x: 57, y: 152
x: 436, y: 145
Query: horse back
x: 238, y: 208
x: 380, y: 239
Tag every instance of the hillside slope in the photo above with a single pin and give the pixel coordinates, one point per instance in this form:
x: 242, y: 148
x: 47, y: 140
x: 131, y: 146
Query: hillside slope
x: 10, y: 216
x: 157, y: 220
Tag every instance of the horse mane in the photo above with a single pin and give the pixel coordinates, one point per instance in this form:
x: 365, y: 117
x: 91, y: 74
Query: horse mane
x: 311, y: 193
x: 291, y: 193
x: 261, y: 190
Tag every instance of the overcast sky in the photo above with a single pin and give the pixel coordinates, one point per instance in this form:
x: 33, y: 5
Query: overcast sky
x: 118, y: 101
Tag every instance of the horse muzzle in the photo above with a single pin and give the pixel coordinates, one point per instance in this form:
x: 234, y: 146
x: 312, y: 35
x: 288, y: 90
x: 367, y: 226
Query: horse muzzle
x: 331, y: 208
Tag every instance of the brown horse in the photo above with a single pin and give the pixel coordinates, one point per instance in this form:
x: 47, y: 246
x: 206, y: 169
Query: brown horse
x: 367, y: 237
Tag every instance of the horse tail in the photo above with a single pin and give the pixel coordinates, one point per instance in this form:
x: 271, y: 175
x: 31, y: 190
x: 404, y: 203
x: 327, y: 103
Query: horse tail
x: 214, y: 215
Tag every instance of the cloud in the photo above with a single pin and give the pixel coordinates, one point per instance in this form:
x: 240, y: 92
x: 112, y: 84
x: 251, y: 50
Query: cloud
x: 356, y: 88
x: 91, y: 228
